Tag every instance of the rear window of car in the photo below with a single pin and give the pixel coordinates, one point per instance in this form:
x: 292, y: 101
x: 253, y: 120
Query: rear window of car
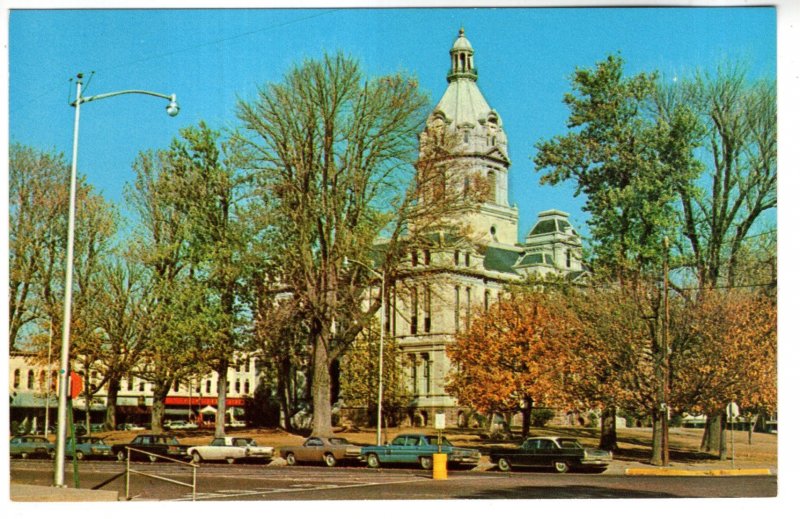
x: 434, y: 440
x: 338, y: 441
x: 570, y: 444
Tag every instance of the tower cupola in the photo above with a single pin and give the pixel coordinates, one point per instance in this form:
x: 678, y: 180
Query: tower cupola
x: 461, y: 59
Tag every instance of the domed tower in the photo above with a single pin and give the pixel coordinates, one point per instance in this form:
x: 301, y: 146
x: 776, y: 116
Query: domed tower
x: 479, y: 154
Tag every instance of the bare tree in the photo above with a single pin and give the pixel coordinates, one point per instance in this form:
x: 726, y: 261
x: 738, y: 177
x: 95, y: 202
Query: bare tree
x: 335, y: 154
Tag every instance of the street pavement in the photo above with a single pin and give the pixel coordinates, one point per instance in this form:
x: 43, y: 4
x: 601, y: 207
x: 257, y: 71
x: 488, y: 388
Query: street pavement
x: 224, y: 482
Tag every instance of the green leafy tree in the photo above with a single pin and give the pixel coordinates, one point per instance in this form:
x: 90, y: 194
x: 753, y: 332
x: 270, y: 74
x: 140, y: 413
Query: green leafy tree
x: 360, y: 376
x: 209, y: 190
x: 173, y: 315
x: 630, y: 165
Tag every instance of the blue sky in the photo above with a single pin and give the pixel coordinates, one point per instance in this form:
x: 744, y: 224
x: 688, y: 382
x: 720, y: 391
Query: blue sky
x: 211, y: 58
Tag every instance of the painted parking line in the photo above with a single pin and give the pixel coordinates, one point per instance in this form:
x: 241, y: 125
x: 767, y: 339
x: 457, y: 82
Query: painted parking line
x: 229, y: 494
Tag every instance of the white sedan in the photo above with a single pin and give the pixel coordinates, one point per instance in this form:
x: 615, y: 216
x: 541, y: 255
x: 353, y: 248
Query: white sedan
x: 230, y: 449
x: 175, y: 425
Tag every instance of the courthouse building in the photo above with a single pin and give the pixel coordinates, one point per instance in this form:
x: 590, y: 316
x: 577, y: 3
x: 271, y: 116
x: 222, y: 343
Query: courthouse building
x: 456, y: 276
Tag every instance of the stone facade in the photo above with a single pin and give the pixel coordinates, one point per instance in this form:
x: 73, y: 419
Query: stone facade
x: 457, y: 276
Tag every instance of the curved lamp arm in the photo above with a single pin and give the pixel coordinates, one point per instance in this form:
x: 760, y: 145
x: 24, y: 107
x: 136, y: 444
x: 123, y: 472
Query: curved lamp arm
x: 172, y: 107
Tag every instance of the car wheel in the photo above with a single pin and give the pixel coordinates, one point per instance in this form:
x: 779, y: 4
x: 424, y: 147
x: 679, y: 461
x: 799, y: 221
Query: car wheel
x: 330, y: 459
x: 24, y: 455
x: 230, y: 461
x: 52, y: 454
x: 152, y: 457
x: 79, y: 455
x: 561, y: 466
x: 121, y: 455
x: 196, y: 457
x: 372, y: 461
x: 290, y: 459
x: 426, y: 462
x: 503, y: 465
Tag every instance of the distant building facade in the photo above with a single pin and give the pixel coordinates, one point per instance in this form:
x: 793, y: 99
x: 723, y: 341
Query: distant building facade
x: 33, y: 394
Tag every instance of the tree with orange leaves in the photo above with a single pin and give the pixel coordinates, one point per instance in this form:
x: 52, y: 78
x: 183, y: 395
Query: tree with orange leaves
x: 516, y: 355
x: 726, y: 352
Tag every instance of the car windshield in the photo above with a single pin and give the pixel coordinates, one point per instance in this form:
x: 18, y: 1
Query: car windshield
x: 339, y: 441
x: 570, y: 444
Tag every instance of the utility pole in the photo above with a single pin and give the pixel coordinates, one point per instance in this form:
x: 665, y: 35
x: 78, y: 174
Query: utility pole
x: 665, y: 363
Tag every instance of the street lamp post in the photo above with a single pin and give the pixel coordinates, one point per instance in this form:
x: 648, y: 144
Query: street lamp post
x: 64, y: 387
x: 382, y: 277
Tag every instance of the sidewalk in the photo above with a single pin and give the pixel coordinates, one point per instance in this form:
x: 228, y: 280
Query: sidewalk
x: 39, y: 493
x: 709, y: 468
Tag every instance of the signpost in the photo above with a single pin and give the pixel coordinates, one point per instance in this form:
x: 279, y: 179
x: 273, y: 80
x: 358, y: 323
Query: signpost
x: 439, y: 459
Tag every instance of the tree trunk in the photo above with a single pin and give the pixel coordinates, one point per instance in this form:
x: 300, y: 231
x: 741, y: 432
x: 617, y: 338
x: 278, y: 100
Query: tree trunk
x: 321, y: 388
x: 714, y: 435
x: 658, y: 432
x: 111, y: 403
x: 284, y: 383
x: 527, y: 409
x: 160, y: 392
x: 608, y: 429
x: 222, y: 395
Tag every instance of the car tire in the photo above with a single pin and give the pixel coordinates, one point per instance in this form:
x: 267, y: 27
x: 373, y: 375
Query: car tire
x: 230, y: 461
x: 329, y: 459
x: 120, y: 455
x: 561, y: 466
x: 79, y: 455
x: 426, y: 462
x: 152, y: 458
x: 51, y: 454
x: 196, y: 458
x: 23, y: 455
x: 503, y: 465
x: 290, y: 459
x: 372, y: 461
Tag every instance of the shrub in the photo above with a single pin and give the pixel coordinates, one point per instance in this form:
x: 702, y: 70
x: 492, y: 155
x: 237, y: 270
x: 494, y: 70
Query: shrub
x: 540, y: 417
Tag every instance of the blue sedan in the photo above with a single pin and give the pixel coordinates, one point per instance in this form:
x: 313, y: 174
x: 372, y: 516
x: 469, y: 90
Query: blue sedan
x: 418, y: 448
x: 89, y: 447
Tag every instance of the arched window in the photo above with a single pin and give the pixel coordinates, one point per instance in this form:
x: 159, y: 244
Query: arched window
x: 16, y: 378
x: 246, y: 387
x: 238, y: 387
x: 31, y: 378
x: 208, y: 386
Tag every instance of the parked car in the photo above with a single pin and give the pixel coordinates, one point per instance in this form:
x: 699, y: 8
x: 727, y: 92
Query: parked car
x: 321, y: 449
x: 129, y: 427
x: 89, y: 447
x: 236, y: 424
x: 28, y: 445
x: 162, y: 444
x: 230, y: 449
x: 179, y: 425
x: 418, y: 448
x: 562, y: 454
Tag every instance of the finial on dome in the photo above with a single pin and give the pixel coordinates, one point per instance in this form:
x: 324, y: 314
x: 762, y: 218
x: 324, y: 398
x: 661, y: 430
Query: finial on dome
x: 461, y: 31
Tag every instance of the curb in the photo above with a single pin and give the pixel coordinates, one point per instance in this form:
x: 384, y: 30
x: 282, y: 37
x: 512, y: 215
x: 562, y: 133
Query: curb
x: 700, y: 472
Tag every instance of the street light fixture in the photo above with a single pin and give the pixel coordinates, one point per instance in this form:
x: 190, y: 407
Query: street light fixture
x: 63, y: 375
x: 382, y: 277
